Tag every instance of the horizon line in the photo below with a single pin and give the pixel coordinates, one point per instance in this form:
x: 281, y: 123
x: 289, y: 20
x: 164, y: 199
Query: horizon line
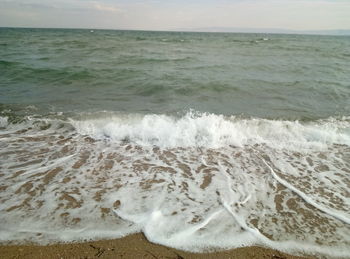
x: 329, y: 32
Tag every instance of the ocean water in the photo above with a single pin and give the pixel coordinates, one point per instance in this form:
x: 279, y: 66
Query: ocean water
x: 202, y: 141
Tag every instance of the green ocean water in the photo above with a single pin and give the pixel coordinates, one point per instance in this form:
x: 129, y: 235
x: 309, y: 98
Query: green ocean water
x: 269, y: 76
x: 202, y: 141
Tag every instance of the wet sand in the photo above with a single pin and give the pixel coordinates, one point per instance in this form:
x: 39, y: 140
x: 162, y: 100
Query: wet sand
x: 133, y: 246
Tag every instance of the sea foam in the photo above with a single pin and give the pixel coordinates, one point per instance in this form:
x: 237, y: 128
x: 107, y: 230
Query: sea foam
x: 214, y: 131
x: 196, y: 182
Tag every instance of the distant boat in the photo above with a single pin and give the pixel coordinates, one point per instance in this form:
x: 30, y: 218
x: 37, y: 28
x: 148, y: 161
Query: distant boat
x: 92, y: 31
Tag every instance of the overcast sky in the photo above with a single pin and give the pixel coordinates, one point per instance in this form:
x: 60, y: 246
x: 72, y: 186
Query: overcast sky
x: 177, y: 14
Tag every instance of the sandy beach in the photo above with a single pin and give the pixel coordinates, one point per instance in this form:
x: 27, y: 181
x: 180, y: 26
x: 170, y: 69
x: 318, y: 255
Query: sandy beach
x: 132, y: 246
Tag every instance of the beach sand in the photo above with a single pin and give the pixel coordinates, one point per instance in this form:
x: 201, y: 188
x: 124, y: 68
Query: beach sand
x: 132, y: 246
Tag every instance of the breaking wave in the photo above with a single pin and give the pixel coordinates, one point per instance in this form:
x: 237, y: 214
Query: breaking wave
x: 195, y: 182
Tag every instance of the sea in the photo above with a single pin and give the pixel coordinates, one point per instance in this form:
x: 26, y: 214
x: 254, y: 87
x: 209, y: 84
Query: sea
x: 201, y: 141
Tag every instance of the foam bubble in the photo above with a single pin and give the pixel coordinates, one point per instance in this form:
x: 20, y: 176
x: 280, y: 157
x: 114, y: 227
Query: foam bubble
x: 3, y: 122
x: 198, y: 182
x: 214, y: 131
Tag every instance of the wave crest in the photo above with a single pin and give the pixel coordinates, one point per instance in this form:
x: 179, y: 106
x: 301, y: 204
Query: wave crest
x: 214, y: 131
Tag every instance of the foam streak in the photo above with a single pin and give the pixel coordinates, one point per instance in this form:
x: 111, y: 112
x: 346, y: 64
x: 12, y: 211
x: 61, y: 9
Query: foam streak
x: 305, y: 198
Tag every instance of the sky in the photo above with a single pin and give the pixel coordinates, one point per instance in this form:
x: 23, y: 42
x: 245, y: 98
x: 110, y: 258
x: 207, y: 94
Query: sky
x: 177, y: 14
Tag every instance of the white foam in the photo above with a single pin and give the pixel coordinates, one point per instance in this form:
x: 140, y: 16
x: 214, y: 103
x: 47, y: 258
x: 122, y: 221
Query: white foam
x: 331, y: 212
x: 214, y: 131
x: 3, y: 122
x: 198, y: 182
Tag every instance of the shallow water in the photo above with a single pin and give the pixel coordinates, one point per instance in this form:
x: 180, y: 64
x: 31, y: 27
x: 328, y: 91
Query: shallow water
x: 202, y: 141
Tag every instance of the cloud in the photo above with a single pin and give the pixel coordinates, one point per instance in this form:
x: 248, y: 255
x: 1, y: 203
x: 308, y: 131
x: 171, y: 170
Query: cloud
x: 62, y: 4
x: 105, y: 8
x: 171, y: 15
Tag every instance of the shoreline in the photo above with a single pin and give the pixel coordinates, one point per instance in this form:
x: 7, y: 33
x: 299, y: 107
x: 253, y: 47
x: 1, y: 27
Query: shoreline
x: 132, y: 246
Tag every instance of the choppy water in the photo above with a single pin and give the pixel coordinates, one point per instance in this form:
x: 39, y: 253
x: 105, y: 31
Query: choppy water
x: 200, y: 140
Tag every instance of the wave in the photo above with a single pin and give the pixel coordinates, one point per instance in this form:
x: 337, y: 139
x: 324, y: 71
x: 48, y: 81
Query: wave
x: 195, y: 181
x: 22, y: 71
x: 213, y: 131
x: 8, y: 64
x: 3, y: 122
x: 195, y: 129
